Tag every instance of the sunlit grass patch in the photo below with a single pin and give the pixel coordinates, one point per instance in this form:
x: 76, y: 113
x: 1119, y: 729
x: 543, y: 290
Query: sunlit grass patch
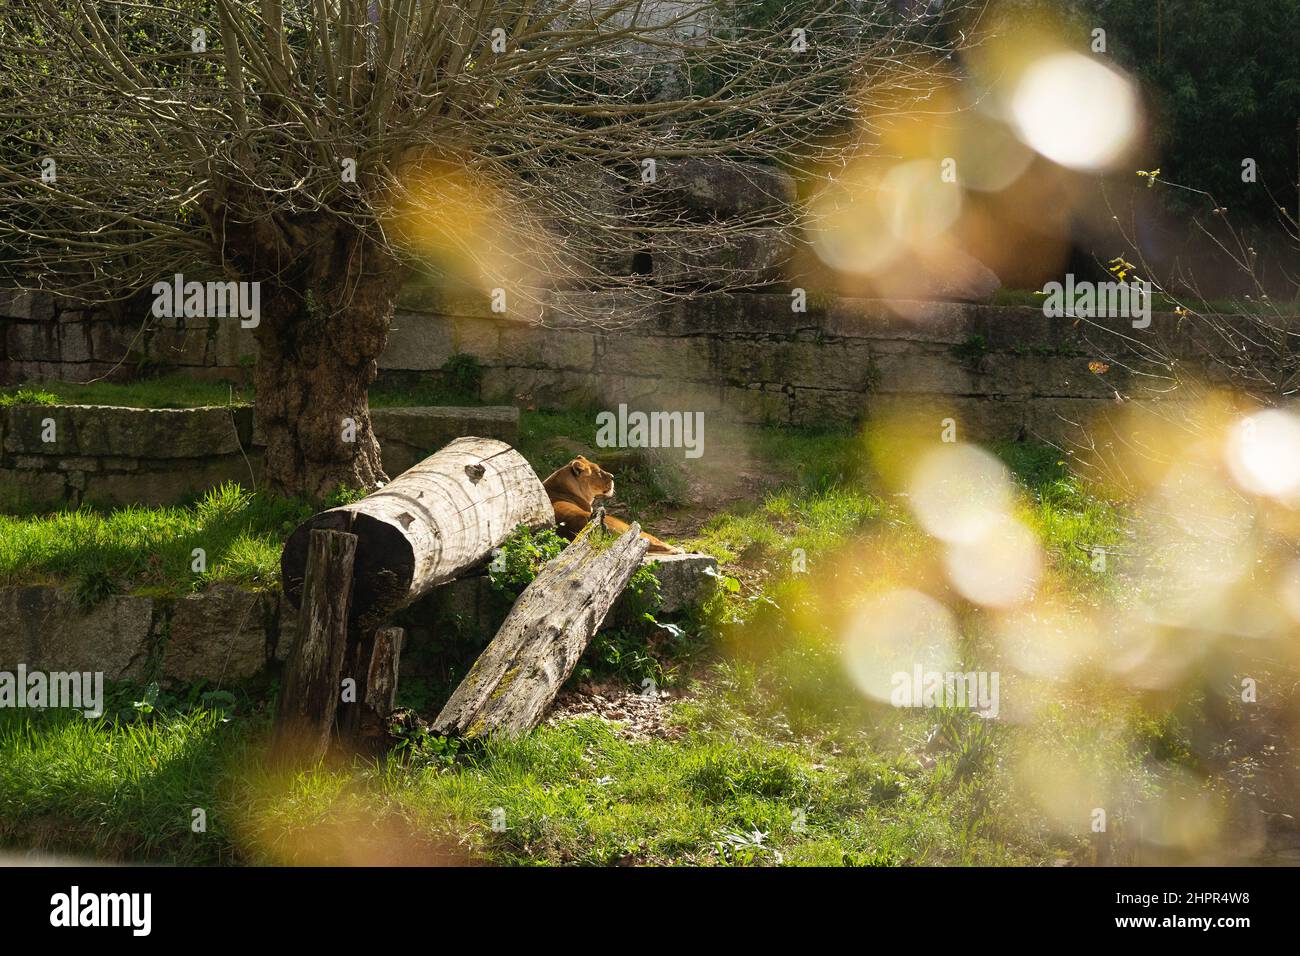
x: 789, y: 519
x: 802, y: 520
x: 163, y: 391
x: 573, y: 793
x: 116, y: 791
x: 780, y: 758
x: 102, y: 552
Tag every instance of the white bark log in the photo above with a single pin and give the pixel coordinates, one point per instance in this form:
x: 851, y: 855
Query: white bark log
x: 429, y: 525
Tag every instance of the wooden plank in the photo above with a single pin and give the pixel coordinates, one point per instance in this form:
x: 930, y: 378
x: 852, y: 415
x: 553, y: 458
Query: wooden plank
x: 310, y: 696
x: 518, y: 675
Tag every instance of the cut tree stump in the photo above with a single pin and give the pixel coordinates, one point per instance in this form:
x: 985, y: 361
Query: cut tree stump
x: 310, y: 696
x: 381, y: 679
x: 428, y: 526
x: 518, y: 675
x: 374, y: 662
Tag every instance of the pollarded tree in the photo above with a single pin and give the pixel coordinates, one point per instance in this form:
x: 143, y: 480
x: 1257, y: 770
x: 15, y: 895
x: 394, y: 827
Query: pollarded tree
x: 317, y: 147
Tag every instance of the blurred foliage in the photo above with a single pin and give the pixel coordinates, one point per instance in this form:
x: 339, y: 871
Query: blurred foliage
x: 1223, y: 84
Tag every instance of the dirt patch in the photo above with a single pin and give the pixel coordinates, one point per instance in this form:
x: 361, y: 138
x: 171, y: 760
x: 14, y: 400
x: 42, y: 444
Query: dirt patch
x: 631, y: 714
x: 707, y: 500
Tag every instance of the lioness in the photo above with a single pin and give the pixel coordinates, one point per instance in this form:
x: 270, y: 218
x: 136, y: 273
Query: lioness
x: 574, y: 488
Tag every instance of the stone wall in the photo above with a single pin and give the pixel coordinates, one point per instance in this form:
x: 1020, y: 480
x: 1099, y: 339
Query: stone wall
x: 227, y: 633
x: 108, y: 455
x: 46, y: 339
x: 1001, y: 372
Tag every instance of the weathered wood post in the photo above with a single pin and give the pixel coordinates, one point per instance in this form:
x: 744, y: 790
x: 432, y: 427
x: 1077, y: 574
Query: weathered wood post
x: 519, y: 673
x: 310, y: 696
x: 381, y: 685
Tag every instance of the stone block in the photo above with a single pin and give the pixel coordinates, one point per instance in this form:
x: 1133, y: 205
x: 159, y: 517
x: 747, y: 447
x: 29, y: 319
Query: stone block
x: 767, y: 403
x: 184, y: 344
x: 44, y: 628
x: 753, y: 257
x: 419, y: 342
x: 685, y: 580
x: 977, y: 418
x: 409, y: 435
x: 78, y: 464
x: 478, y: 337
x: 27, y: 426
x: 876, y: 319
x: 818, y: 406
x: 725, y: 188
x: 30, y: 306
x: 178, y: 481
x: 21, y: 489
x: 219, y: 634
x: 153, y: 432
x: 926, y: 370
x: 535, y: 346
x: 113, y: 341
x: 692, y: 359
x: 232, y: 345
x: 540, y: 388
x: 74, y: 342
x: 33, y: 341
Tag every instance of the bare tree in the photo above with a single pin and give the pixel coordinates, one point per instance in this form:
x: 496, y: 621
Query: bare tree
x: 318, y: 147
x: 1246, y: 345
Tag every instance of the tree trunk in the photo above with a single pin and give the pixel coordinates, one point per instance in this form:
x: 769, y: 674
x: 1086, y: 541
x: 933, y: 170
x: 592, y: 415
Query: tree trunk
x: 518, y: 675
x: 328, y: 290
x: 323, y: 325
x: 372, y: 661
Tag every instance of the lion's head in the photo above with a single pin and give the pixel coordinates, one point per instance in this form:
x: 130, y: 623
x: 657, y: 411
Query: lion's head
x: 580, y: 481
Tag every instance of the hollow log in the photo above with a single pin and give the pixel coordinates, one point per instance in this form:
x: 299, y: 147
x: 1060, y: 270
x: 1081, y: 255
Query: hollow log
x: 310, y: 696
x: 428, y: 526
x: 519, y: 673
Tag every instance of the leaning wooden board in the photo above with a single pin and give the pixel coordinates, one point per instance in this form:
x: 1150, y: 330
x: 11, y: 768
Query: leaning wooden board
x: 518, y: 675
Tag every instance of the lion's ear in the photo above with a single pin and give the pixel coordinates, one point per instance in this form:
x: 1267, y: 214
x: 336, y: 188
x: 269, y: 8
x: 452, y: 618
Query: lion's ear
x: 576, y: 467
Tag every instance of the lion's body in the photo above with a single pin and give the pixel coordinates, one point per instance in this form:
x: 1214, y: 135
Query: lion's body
x: 573, y: 491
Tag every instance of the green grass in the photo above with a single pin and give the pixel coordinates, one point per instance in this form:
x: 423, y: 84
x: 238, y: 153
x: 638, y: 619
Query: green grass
x: 835, y: 501
x: 114, y: 791
x: 100, y: 552
x: 178, y: 391
x: 166, y: 391
x: 812, y: 458
x: 419, y: 395
x: 726, y: 793
x: 132, y: 549
x: 778, y: 758
x: 812, y: 521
